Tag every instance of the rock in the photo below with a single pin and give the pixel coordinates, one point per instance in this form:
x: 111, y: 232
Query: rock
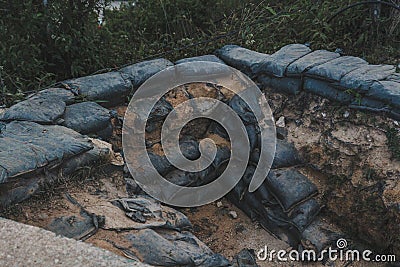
x: 219, y: 204
x: 233, y: 214
x: 280, y: 122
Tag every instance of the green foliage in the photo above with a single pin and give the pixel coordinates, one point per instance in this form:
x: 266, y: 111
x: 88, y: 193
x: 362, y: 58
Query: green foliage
x: 40, y: 45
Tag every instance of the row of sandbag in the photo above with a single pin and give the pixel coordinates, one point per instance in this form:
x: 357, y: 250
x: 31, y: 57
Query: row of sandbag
x: 346, y: 79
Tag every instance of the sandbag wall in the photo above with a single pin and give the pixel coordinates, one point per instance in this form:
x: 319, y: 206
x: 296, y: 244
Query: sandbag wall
x: 346, y: 79
x: 47, y: 134
x: 51, y: 127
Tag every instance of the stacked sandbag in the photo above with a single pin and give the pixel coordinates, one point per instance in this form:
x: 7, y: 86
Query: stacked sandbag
x: 346, y: 79
x: 28, y: 150
x: 285, y: 204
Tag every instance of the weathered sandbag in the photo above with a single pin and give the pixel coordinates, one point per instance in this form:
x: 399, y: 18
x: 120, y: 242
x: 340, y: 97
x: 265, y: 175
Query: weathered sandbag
x: 172, y: 249
x: 243, y: 110
x: 79, y: 227
x: 60, y: 93
x: 335, y: 69
x: 320, y: 235
x: 210, y: 58
x: 240, y: 58
x: 140, y: 72
x: 386, y: 91
x: 13, y: 192
x: 110, y: 88
x: 288, y: 85
x: 290, y: 187
x: 245, y: 258
x: 45, y: 109
x: 28, y: 146
x: 304, y: 214
x: 368, y: 103
x: 362, y: 78
x: 328, y: 90
x: 309, y: 61
x: 277, y: 63
x: 88, y: 118
x: 285, y: 155
x: 101, y: 150
x: 271, y: 218
x: 135, y: 213
x: 145, y: 210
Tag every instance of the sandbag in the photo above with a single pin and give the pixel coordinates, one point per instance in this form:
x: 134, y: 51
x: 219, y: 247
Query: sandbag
x: 362, y: 78
x: 286, y: 155
x: 309, y: 61
x: 288, y: 85
x: 138, y: 73
x: 87, y: 118
x: 172, y: 249
x: 328, y: 90
x: 44, y: 109
x: 240, y: 58
x: 62, y: 94
x: 210, y: 58
x: 290, y: 187
x: 277, y: 63
x: 109, y: 88
x: 335, y: 69
x: 27, y: 146
x: 386, y: 91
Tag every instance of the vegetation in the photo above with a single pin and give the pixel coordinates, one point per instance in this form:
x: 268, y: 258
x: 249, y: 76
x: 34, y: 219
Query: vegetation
x: 41, y: 44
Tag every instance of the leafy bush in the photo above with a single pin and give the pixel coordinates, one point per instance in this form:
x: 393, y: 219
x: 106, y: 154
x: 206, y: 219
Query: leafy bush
x: 41, y: 44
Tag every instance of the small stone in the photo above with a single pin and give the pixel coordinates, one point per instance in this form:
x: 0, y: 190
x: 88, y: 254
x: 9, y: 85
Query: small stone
x: 280, y: 122
x: 346, y: 114
x: 219, y: 204
x: 233, y: 214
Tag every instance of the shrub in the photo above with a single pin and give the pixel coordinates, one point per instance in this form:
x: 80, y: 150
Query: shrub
x: 41, y: 44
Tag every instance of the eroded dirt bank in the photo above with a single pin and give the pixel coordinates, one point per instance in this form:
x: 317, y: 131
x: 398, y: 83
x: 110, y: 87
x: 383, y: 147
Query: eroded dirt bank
x: 360, y: 184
